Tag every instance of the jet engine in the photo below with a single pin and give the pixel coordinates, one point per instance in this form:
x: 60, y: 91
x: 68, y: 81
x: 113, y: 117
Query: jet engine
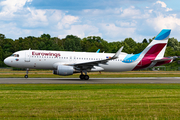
x: 63, y: 70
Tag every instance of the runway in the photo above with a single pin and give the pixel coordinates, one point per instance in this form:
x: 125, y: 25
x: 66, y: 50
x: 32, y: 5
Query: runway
x: 149, y: 80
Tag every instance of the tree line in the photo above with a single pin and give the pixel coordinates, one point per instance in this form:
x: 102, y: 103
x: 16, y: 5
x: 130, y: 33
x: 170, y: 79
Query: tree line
x: 74, y: 43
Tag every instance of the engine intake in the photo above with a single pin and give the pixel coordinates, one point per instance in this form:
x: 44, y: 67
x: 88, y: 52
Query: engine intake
x: 63, y: 70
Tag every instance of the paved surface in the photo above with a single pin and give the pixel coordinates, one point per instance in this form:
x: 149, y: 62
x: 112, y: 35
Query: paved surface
x: 90, y: 81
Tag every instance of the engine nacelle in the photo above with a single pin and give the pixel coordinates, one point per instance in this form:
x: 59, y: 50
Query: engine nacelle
x: 63, y: 70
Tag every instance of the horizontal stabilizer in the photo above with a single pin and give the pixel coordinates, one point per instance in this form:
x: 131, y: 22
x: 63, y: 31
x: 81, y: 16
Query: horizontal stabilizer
x: 162, y: 60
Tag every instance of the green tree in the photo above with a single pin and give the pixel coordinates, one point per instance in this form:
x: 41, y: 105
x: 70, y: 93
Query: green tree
x: 46, y: 36
x: 1, y: 57
x: 172, y: 42
x: 169, y: 51
x: 72, y: 43
x: 145, y: 40
x: 129, y: 45
x: 130, y: 42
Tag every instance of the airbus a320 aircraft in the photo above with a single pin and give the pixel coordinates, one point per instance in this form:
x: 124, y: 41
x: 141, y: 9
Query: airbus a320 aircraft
x: 67, y: 63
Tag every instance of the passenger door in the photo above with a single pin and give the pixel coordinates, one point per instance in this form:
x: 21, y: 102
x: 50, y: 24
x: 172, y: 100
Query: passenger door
x: 27, y: 56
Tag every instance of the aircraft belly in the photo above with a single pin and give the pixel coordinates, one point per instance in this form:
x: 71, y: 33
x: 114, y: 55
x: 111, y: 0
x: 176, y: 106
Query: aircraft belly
x: 118, y: 66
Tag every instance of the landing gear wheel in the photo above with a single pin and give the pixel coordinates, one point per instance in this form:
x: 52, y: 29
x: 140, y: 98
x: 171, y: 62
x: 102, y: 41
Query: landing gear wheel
x: 27, y: 70
x: 86, y: 77
x: 81, y: 77
x: 26, y: 76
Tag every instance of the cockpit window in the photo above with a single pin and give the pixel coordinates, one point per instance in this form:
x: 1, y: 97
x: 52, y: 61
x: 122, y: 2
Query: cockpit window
x: 15, y: 55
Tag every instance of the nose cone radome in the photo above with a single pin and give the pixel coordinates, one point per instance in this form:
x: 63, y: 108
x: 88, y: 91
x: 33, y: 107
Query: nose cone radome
x: 6, y: 61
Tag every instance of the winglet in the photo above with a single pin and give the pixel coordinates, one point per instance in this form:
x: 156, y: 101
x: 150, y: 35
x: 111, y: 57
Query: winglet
x: 98, y: 51
x: 117, y: 53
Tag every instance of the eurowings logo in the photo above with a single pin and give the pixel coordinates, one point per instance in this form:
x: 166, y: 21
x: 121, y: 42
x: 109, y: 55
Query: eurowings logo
x: 46, y: 54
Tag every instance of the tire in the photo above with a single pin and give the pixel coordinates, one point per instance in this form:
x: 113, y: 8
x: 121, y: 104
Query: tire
x: 26, y: 76
x: 81, y: 77
x: 86, y: 77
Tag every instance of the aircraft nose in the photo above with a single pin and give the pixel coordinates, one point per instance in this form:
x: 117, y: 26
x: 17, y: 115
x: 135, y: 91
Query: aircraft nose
x: 6, y: 61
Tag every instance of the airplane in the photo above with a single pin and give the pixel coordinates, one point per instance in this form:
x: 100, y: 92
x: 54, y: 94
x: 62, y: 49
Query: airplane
x: 67, y: 63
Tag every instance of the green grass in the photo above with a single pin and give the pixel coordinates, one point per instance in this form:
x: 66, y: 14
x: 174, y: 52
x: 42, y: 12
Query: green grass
x: 86, y: 101
x: 48, y: 74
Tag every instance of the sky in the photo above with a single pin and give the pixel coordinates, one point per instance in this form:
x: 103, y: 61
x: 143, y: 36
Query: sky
x: 112, y: 20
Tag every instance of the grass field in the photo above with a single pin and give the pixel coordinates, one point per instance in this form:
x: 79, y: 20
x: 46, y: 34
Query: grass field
x: 48, y: 74
x: 86, y: 101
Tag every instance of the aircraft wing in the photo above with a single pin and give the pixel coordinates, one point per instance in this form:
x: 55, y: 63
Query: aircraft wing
x: 90, y: 64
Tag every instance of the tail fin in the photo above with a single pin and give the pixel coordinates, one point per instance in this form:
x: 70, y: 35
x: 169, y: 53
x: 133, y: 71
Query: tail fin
x: 154, y: 51
x: 157, y: 47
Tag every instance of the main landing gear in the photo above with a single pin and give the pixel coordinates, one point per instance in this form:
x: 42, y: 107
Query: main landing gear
x: 27, y: 70
x: 84, y: 77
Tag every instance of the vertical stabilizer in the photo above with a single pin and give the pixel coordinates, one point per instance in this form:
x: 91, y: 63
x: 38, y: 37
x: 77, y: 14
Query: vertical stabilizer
x: 154, y: 51
x: 158, y: 46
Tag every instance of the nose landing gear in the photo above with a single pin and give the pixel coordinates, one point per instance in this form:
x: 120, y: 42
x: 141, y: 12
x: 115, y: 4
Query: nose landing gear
x: 27, y: 70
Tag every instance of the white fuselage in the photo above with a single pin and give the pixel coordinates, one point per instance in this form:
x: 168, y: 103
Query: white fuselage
x: 41, y: 59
